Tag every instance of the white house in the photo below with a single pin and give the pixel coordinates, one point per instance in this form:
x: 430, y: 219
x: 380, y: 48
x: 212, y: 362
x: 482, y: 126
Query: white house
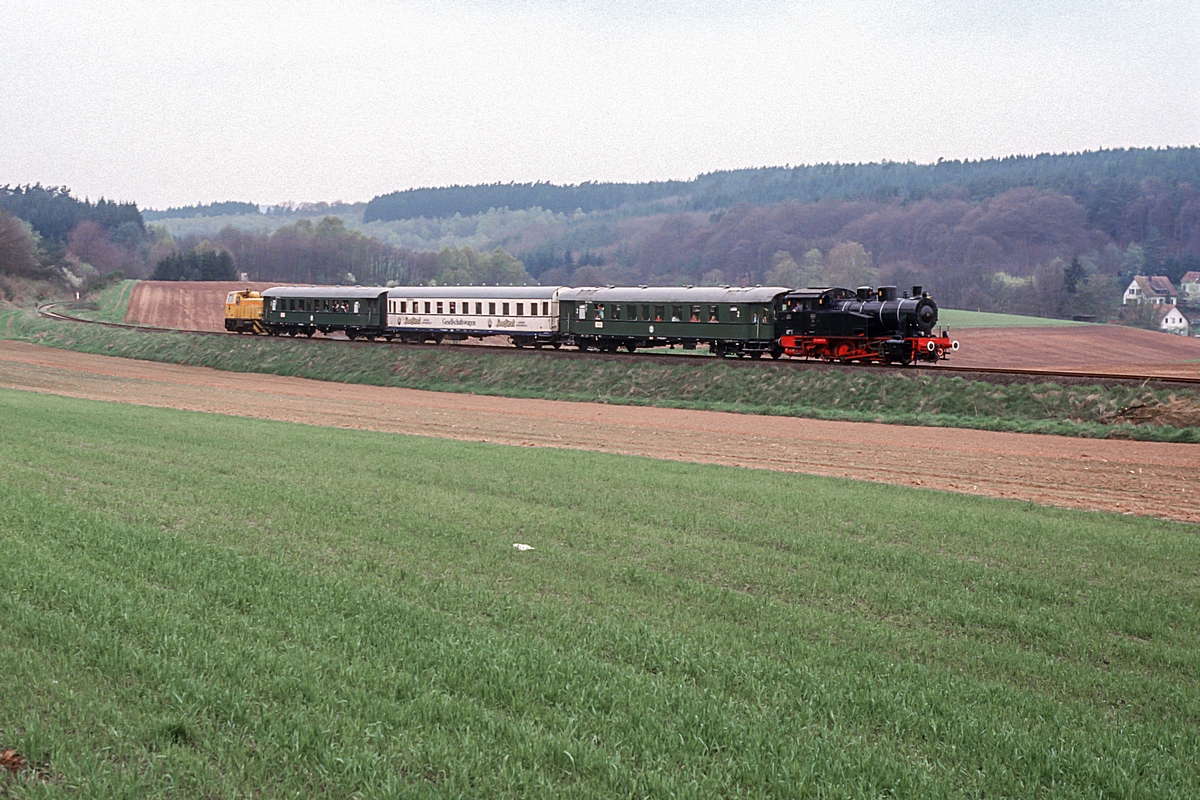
x: 1189, y: 288
x: 1172, y: 320
x: 1155, y: 290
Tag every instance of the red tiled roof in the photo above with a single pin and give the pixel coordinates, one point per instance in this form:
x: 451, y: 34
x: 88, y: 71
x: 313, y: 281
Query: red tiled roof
x: 1162, y: 284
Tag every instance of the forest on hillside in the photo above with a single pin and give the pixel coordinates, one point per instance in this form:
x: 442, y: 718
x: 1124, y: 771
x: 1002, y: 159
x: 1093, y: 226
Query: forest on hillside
x: 1051, y: 235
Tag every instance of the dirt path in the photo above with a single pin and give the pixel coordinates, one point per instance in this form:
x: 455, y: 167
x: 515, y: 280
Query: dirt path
x: 1152, y: 479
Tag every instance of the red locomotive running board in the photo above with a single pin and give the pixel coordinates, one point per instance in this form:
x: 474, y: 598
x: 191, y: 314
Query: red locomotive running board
x: 871, y: 351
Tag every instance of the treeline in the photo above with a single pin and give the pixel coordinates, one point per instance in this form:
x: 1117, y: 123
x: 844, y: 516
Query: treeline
x: 1103, y: 182
x: 50, y: 239
x: 53, y: 213
x: 195, y: 265
x: 325, y: 253
x: 1008, y: 253
x: 470, y: 200
x: 227, y: 208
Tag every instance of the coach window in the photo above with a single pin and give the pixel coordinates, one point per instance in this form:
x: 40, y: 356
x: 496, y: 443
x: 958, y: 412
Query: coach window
x: 676, y: 313
x: 695, y: 317
x: 428, y: 305
x: 659, y: 311
x: 616, y: 311
x: 545, y: 309
x: 733, y: 313
x: 504, y: 309
x: 440, y: 308
x: 712, y: 314
x: 599, y: 311
x: 491, y: 309
x: 520, y: 309
x: 583, y: 310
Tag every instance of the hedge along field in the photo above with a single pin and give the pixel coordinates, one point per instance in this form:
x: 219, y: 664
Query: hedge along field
x: 788, y: 389
x: 197, y: 605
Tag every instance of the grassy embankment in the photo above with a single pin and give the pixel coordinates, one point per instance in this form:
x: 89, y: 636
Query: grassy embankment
x: 108, y: 305
x: 790, y: 389
x: 198, y: 605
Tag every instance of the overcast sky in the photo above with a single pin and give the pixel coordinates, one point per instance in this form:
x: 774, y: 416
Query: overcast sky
x: 171, y: 103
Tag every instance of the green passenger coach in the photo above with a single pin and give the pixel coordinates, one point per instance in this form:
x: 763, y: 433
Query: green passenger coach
x: 304, y: 310
x: 731, y: 321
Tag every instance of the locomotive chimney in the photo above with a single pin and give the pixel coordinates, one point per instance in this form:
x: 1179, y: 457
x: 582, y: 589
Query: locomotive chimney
x: 887, y: 293
x: 863, y: 293
x: 916, y: 291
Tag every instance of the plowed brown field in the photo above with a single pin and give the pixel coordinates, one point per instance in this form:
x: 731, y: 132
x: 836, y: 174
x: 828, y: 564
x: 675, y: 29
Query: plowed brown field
x: 1112, y: 349
x: 184, y: 305
x: 1142, y: 478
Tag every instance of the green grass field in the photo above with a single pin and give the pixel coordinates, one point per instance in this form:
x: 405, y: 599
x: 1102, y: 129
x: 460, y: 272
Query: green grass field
x: 201, y: 606
x: 953, y: 319
x: 109, y: 305
x: 907, y: 397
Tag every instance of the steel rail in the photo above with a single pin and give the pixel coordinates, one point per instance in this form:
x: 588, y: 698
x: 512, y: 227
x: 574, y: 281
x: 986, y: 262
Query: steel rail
x: 50, y: 311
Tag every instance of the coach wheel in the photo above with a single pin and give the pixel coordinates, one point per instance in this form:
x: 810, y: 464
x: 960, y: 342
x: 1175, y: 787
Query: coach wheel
x: 537, y: 345
x: 630, y: 346
x: 556, y: 345
x: 309, y: 333
x: 517, y: 343
x: 755, y: 354
x: 351, y: 335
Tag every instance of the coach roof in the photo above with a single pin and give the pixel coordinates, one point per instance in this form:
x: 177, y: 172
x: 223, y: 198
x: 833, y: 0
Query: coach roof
x: 474, y: 292
x: 348, y: 292
x: 674, y: 294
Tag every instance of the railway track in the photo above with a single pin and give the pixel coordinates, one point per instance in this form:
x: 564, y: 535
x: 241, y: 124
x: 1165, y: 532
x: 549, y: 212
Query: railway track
x: 992, y: 374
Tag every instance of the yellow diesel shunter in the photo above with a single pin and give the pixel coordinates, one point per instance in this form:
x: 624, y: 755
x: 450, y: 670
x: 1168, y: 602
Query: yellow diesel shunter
x: 243, y: 312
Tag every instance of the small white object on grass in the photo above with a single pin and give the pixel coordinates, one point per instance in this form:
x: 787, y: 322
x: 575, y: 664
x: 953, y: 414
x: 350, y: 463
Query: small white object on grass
x: 522, y: 546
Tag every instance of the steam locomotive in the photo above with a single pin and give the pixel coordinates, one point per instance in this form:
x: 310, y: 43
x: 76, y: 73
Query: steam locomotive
x: 830, y: 324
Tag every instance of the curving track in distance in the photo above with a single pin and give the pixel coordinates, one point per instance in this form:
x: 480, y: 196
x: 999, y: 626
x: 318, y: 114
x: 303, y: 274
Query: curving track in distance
x: 990, y: 374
